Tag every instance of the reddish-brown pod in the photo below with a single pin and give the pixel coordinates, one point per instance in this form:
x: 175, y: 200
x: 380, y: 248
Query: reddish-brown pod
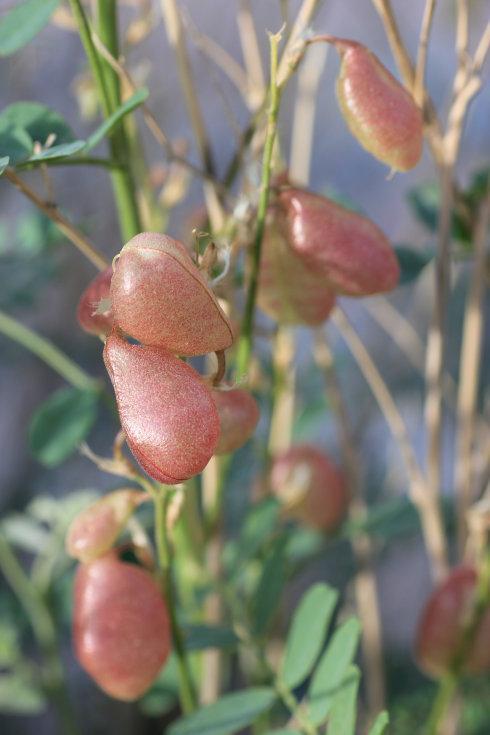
x: 309, y: 486
x: 93, y: 532
x: 166, y: 410
x: 378, y: 110
x: 94, y: 312
x: 121, y: 627
x: 238, y: 414
x: 346, y: 248
x: 289, y: 291
x: 440, y: 631
x: 159, y: 297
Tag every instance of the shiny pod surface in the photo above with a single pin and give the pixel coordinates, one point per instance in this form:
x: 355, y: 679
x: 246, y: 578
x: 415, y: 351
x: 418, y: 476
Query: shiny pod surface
x: 166, y: 410
x: 96, y: 528
x: 238, y: 414
x: 309, y: 486
x: 378, y: 110
x: 160, y: 298
x: 349, y: 250
x: 94, y: 312
x: 443, y: 620
x: 121, y: 627
x: 289, y: 291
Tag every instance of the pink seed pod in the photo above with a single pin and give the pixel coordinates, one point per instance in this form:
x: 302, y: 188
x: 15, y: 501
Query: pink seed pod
x: 289, y: 291
x: 160, y: 298
x: 440, y: 631
x: 238, y: 414
x: 94, y: 312
x: 121, y: 629
x: 93, y: 532
x: 378, y: 110
x: 166, y: 410
x: 309, y: 486
x: 347, y: 249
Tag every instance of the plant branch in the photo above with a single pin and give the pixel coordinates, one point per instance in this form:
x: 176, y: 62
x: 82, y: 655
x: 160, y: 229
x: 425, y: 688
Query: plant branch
x: 244, y: 349
x: 419, y: 79
x: 47, y: 352
x: 426, y: 503
x: 469, y: 367
x: 51, y: 211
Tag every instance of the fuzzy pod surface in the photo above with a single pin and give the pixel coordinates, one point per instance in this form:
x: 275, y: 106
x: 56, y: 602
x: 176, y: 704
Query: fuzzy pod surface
x: 347, y: 249
x: 121, y: 630
x: 159, y: 297
x: 289, y: 291
x: 238, y: 414
x: 442, y: 623
x: 93, y: 531
x: 166, y: 410
x: 94, y: 311
x: 378, y: 110
x: 310, y: 488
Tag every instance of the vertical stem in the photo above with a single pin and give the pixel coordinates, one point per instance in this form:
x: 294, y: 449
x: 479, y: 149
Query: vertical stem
x: 444, y: 697
x: 121, y: 178
x: 365, y: 579
x: 244, y: 350
x: 44, y: 629
x: 419, y: 81
x: 164, y: 551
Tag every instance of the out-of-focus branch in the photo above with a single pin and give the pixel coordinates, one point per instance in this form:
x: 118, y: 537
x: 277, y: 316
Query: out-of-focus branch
x: 419, y: 81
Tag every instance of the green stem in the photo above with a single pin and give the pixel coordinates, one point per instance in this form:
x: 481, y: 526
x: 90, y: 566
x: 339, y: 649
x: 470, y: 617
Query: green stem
x: 188, y: 698
x: 74, y: 161
x: 293, y: 706
x: 44, y: 630
x: 47, y: 352
x: 244, y: 350
x: 122, y: 182
x: 443, y: 699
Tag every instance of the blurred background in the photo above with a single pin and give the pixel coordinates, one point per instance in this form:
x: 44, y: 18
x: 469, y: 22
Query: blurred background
x: 42, y: 277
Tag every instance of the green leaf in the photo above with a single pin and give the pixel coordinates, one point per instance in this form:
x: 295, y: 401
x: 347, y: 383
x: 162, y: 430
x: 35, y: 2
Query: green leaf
x: 25, y: 533
x: 15, y: 143
x: 309, y: 419
x: 57, y: 152
x: 268, y: 593
x: 307, y: 633
x: 228, y: 715
x: 343, y: 714
x: 412, y: 262
x: 4, y: 162
x: 425, y: 201
x: 259, y: 524
x: 61, y: 423
x: 164, y: 692
x: 331, y: 669
x: 386, y: 520
x: 199, y: 637
x: 380, y: 724
x: 286, y: 731
x: 23, y: 22
x: 10, y: 652
x: 134, y: 101
x: 38, y: 121
x: 20, y: 697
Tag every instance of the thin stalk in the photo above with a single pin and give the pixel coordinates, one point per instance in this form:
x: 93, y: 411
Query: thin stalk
x: 187, y: 694
x: 444, y: 697
x: 65, y: 226
x: 419, y: 81
x: 74, y: 161
x: 44, y: 630
x: 244, y: 350
x: 122, y: 183
x: 47, y: 352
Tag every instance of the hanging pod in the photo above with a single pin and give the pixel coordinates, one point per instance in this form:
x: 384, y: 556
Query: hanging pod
x: 238, y: 415
x: 94, y: 312
x: 166, y: 410
x: 159, y: 297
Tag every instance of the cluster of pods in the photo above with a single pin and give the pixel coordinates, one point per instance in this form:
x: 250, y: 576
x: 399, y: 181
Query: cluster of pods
x: 153, y: 306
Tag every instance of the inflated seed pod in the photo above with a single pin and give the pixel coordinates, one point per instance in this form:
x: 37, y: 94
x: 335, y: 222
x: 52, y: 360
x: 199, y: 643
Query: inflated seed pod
x: 238, y: 414
x: 93, y: 532
x: 378, y: 110
x: 441, y: 628
x: 160, y: 298
x: 94, y: 312
x: 288, y: 290
x: 166, y: 410
x: 121, y: 629
x: 309, y: 487
x: 347, y: 249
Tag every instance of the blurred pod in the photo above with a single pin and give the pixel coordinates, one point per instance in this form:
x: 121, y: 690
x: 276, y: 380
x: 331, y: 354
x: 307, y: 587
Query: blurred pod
x: 239, y: 414
x: 94, y: 312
